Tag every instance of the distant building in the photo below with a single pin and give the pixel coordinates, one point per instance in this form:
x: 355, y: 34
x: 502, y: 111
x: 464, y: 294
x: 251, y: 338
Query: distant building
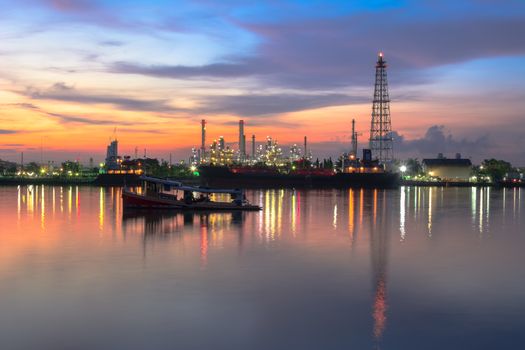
x: 112, y: 158
x: 352, y: 164
x: 448, y: 169
x: 115, y: 164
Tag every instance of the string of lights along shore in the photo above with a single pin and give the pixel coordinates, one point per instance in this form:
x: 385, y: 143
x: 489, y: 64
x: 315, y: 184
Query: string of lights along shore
x: 270, y: 153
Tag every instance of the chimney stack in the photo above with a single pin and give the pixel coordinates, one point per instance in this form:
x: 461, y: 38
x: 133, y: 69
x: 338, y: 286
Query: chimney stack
x: 203, y: 139
x: 242, y: 142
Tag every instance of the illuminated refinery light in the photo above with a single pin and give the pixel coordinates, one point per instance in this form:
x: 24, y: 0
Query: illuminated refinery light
x: 403, y: 168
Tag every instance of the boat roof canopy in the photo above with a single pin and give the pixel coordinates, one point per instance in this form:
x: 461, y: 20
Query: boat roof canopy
x: 179, y: 186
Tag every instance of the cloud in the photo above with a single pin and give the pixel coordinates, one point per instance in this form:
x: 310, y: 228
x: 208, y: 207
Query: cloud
x: 269, y: 120
x: 112, y: 43
x: 62, y: 92
x: 253, y: 105
x: 74, y: 119
x: 91, y: 12
x: 142, y: 130
x: 436, y: 140
x: 8, y: 132
x: 23, y: 105
x: 65, y: 118
x: 233, y: 69
x: 335, y: 52
x: 71, y: 5
x: 12, y: 144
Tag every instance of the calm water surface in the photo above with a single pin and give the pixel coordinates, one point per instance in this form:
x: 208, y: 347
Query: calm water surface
x: 415, y: 268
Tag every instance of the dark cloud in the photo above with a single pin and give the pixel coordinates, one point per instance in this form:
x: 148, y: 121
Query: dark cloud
x: 112, y: 43
x: 263, y: 105
x: 23, y: 105
x: 341, y: 51
x: 62, y: 92
x: 436, y: 140
x: 74, y: 119
x: 234, y: 69
x: 8, y: 132
x: 65, y: 118
x: 270, y: 120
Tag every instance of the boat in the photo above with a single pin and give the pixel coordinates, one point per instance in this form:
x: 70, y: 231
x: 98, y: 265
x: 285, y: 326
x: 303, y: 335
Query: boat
x: 158, y: 193
x: 254, y: 177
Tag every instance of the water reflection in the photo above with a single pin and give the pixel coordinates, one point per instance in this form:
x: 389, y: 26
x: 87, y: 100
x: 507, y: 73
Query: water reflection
x: 351, y: 218
x: 315, y: 239
x: 402, y: 209
x: 378, y: 254
x: 429, y: 225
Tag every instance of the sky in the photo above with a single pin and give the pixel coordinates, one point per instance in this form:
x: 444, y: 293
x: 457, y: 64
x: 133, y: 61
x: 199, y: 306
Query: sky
x: 75, y: 73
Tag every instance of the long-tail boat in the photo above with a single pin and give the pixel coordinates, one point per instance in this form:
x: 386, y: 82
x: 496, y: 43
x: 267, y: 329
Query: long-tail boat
x: 158, y: 193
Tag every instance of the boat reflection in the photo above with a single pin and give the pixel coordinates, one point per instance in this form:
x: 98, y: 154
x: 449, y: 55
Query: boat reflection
x: 156, y: 224
x: 162, y: 226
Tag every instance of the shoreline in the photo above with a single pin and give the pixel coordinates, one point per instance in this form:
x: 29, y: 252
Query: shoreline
x: 93, y: 182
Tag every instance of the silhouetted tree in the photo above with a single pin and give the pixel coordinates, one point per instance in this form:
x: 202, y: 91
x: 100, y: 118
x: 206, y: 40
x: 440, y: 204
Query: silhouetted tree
x: 495, y: 168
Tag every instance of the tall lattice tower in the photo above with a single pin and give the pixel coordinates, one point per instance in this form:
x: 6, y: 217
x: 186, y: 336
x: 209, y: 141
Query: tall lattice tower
x: 381, y: 142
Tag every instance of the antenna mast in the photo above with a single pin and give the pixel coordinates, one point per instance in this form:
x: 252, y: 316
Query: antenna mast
x: 381, y: 142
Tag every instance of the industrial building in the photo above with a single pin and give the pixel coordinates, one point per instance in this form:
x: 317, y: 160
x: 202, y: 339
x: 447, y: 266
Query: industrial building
x: 448, y: 169
x: 270, y: 153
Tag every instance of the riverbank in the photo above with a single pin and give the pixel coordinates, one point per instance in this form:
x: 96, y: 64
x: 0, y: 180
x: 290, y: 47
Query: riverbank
x: 95, y: 181
x: 80, y: 181
x: 47, y: 180
x: 459, y: 184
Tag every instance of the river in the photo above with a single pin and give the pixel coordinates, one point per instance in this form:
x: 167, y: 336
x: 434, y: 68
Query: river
x: 413, y: 268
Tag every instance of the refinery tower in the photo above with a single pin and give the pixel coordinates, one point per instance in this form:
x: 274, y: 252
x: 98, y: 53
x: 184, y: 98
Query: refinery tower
x: 381, y: 142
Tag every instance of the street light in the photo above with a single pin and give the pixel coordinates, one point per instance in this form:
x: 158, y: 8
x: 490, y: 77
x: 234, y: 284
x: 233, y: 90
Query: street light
x: 403, y: 168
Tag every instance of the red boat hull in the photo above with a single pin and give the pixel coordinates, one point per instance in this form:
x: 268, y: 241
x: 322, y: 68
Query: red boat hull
x: 136, y: 201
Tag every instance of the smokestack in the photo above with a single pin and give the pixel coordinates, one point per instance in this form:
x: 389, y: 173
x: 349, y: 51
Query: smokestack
x: 354, y: 139
x: 305, y: 147
x: 253, y: 147
x: 242, y: 145
x: 203, y: 138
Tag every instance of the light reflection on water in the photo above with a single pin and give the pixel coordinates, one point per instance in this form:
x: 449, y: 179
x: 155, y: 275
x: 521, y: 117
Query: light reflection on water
x: 296, y: 274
